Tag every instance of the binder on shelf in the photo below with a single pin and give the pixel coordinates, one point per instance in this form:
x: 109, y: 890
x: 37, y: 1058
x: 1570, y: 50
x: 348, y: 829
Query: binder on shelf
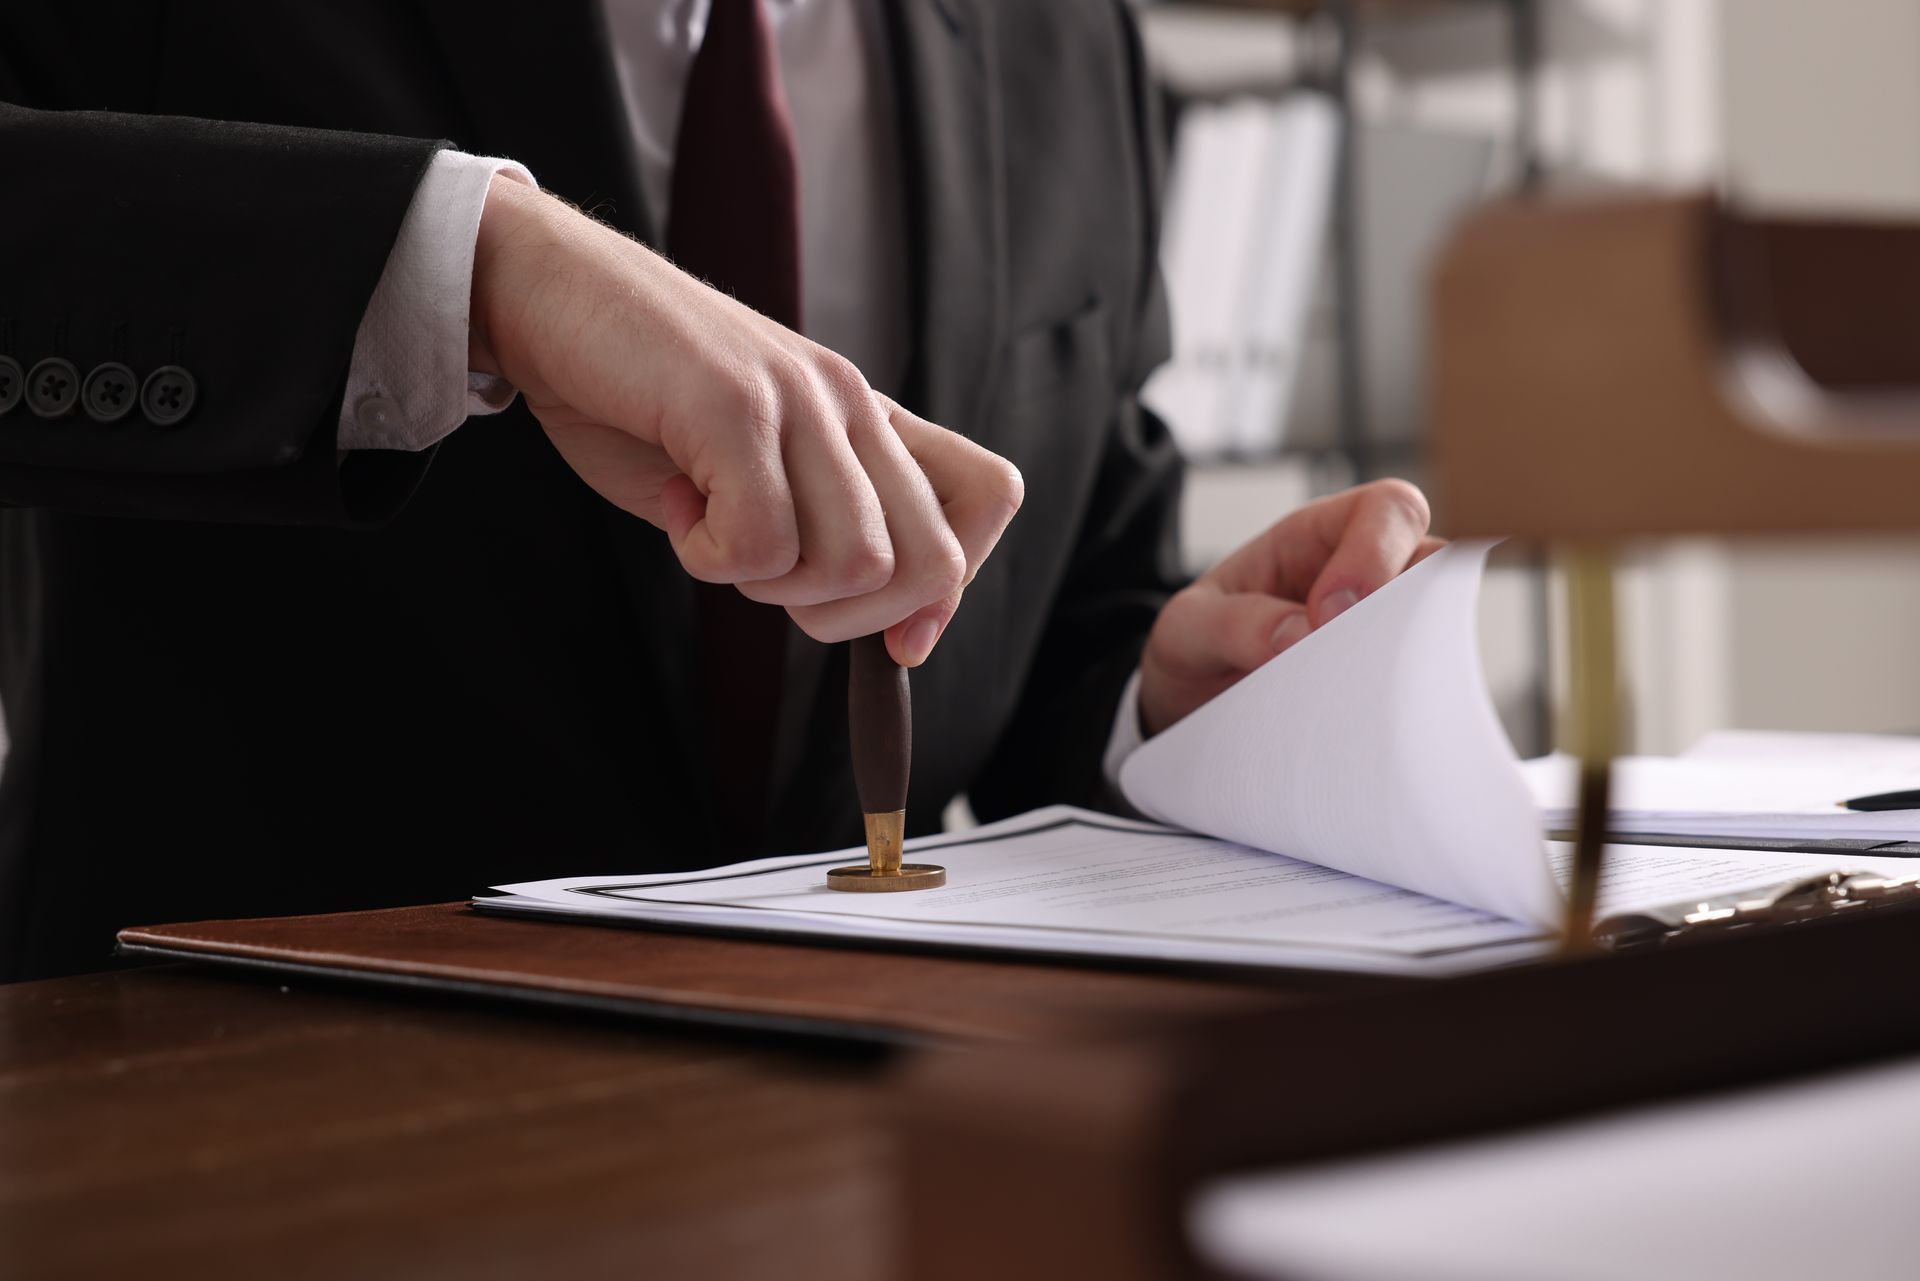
x: 1244, y: 235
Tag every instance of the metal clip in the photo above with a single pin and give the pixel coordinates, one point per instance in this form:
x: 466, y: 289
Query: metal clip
x: 1808, y: 898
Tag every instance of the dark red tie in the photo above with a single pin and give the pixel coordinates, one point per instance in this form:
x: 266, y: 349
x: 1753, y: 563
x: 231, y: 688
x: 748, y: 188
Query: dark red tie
x: 734, y: 221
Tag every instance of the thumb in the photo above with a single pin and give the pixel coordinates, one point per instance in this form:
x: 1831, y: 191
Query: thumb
x: 911, y: 639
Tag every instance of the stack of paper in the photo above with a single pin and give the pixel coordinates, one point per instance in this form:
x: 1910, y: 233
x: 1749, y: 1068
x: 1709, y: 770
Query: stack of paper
x: 1351, y: 805
x: 1744, y: 783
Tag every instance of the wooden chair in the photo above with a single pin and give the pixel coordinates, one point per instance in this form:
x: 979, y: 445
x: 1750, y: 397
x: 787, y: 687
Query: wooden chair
x: 1630, y: 368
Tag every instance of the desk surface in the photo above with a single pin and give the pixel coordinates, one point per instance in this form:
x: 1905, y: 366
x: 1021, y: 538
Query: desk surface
x: 164, y: 1122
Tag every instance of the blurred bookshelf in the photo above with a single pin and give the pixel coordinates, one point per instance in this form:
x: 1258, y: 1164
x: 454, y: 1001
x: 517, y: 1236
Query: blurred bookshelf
x: 1780, y: 101
x: 1296, y: 232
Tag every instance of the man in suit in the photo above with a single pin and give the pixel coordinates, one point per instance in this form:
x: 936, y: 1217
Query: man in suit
x: 281, y: 634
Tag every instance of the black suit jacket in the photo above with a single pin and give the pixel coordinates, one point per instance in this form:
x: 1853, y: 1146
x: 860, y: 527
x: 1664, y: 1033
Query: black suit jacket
x: 243, y: 674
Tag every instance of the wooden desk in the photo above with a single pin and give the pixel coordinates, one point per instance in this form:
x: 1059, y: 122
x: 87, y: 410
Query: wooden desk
x: 165, y: 1122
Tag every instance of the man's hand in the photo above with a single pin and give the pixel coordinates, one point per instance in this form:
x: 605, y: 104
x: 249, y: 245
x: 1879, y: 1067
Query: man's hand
x: 1302, y: 573
x: 766, y: 458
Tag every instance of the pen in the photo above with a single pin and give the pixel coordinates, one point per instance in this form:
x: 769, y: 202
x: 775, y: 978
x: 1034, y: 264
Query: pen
x: 1885, y: 801
x: 880, y: 732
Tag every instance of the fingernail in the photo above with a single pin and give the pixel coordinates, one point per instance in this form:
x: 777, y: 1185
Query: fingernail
x: 1338, y: 603
x: 1289, y: 631
x: 919, y: 641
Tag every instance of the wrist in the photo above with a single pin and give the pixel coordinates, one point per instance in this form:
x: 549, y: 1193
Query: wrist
x: 512, y: 209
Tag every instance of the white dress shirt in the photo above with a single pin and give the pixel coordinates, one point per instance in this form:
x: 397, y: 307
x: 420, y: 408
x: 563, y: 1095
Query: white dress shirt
x: 409, y: 385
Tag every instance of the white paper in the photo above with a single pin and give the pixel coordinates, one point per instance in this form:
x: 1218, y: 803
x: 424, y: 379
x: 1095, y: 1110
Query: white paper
x: 1638, y: 878
x: 1738, y: 783
x: 1874, y: 752
x: 1370, y: 746
x: 1069, y: 881
x: 1364, y: 808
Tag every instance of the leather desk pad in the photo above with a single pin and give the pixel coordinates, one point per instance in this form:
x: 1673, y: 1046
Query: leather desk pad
x: 858, y: 993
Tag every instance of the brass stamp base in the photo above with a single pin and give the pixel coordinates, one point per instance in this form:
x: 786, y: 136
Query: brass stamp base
x: 864, y: 880
x: 886, y: 837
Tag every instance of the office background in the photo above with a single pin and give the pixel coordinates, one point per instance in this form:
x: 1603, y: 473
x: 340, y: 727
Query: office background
x: 1782, y: 105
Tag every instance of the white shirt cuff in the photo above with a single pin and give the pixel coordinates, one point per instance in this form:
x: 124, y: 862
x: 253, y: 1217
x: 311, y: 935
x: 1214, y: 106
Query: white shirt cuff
x: 1126, y: 735
x: 409, y: 385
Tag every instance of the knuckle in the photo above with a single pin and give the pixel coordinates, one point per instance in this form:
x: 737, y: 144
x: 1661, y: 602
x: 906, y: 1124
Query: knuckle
x: 865, y: 566
x: 764, y: 553
x: 946, y: 571
x: 1189, y: 602
x: 816, y: 411
x: 753, y: 401
x: 842, y: 377
x: 787, y: 367
x: 1405, y: 498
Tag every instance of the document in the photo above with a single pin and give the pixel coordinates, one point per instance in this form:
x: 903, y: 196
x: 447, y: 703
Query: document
x: 1065, y: 881
x: 1352, y: 805
x: 1069, y: 881
x: 1743, y: 783
x: 1372, y: 748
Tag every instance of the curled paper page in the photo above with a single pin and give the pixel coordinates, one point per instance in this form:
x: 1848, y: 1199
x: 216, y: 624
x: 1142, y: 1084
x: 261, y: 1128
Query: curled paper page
x: 1371, y: 746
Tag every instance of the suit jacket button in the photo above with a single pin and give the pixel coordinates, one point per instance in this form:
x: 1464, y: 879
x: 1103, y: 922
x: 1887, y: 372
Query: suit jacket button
x: 13, y: 383
x: 168, y: 395
x: 109, y: 392
x: 53, y: 388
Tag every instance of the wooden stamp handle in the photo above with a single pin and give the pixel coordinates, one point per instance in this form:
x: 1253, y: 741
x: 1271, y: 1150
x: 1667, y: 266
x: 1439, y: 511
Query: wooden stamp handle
x: 879, y: 725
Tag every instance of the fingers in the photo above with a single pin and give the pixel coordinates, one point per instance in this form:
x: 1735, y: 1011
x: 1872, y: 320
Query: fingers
x: 789, y: 478
x: 846, y: 551
x: 929, y: 565
x: 887, y: 530
x: 744, y: 526
x: 1334, y: 551
x: 631, y: 474
x: 1204, y: 641
x: 979, y: 491
x: 1385, y: 527
x: 1204, y: 631
x: 766, y: 459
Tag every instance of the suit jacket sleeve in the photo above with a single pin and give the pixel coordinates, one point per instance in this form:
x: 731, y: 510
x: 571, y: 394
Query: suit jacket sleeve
x: 1125, y: 565
x: 241, y: 254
